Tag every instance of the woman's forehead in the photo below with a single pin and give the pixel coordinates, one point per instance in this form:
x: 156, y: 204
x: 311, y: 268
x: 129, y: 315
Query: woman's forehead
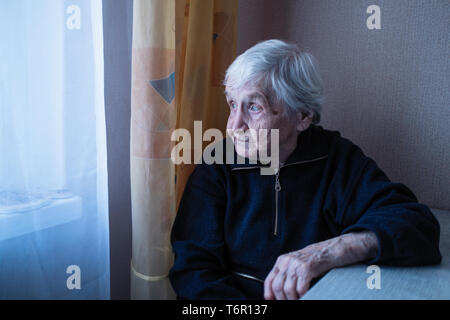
x: 248, y: 92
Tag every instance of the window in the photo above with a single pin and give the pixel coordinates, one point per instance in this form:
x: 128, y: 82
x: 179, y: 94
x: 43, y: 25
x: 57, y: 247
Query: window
x: 53, y: 178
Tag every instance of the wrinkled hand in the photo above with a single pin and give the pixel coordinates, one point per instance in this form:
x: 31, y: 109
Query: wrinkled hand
x: 292, y: 273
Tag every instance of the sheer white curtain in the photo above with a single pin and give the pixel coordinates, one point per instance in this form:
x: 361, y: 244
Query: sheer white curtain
x: 54, y: 239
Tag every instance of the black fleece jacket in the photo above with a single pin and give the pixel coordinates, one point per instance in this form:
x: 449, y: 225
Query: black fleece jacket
x: 233, y: 222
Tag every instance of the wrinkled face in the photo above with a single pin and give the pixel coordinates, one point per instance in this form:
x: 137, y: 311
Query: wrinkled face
x: 249, y: 109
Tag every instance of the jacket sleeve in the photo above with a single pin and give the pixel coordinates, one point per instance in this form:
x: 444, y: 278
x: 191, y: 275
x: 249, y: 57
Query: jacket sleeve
x: 407, y: 231
x: 200, y: 266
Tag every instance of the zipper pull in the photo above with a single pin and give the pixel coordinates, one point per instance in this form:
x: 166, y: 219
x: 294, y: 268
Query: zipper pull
x: 277, y: 183
x: 277, y: 190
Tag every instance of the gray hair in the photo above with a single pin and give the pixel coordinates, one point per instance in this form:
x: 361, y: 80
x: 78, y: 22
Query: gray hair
x: 283, y: 72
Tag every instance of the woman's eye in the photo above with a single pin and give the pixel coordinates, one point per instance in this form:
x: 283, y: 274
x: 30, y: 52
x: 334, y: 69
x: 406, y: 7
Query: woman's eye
x: 232, y: 105
x: 254, y: 108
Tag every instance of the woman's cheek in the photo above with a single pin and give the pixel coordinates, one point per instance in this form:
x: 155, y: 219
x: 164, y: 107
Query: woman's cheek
x: 256, y: 124
x: 230, y: 121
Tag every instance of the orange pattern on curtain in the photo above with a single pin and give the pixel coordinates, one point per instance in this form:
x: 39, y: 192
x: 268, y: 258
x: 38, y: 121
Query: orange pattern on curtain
x: 206, y: 34
x: 153, y: 119
x: 205, y: 41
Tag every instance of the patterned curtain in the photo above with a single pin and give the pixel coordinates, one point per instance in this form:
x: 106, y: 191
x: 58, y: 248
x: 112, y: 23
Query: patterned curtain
x: 152, y: 172
x: 205, y: 41
x: 206, y: 44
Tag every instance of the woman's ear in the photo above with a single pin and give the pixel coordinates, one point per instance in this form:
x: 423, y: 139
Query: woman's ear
x: 303, y: 121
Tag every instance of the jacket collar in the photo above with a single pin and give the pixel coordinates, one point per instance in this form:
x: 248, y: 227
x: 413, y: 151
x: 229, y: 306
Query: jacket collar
x: 312, y: 144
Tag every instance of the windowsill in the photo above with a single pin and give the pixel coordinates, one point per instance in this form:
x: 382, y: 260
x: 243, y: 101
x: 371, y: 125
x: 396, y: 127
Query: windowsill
x: 58, y: 212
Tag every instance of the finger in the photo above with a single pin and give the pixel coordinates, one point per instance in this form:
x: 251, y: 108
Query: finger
x: 268, y: 292
x: 302, y: 285
x: 278, y: 286
x: 290, y: 286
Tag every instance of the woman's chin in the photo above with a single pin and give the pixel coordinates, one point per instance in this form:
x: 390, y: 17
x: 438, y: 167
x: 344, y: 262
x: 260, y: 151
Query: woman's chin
x: 244, y: 152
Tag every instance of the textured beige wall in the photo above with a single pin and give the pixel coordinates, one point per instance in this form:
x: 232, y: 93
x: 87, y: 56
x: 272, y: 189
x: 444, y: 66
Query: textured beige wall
x: 387, y: 90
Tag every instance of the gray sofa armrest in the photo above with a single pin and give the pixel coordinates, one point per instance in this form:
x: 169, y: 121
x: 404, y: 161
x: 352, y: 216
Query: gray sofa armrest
x: 427, y: 282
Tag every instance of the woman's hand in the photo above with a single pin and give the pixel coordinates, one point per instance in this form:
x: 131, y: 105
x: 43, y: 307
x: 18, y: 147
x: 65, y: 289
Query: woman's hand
x: 292, y: 273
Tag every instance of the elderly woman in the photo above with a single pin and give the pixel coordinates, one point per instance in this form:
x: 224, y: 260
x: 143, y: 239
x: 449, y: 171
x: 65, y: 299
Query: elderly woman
x: 239, y: 234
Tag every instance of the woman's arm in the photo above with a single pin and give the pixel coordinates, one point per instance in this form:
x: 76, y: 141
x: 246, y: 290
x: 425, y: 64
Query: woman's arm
x: 200, y: 267
x: 379, y: 222
x: 292, y: 273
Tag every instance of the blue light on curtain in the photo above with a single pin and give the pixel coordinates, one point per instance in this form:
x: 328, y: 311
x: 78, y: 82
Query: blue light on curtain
x: 54, y: 238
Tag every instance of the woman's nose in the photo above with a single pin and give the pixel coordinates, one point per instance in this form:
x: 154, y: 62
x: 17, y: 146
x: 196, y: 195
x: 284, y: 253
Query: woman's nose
x: 238, y: 121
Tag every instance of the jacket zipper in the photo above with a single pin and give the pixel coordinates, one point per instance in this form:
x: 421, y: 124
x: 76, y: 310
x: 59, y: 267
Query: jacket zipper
x: 277, y: 191
x: 278, y: 185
